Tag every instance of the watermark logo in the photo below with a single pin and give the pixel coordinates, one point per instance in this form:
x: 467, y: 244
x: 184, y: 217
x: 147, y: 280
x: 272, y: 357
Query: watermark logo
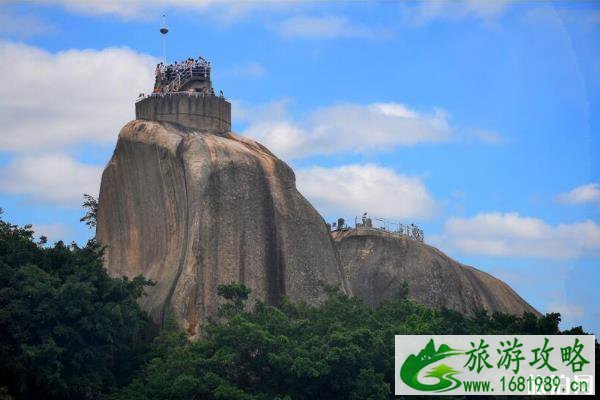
x: 495, y: 364
x: 414, y: 364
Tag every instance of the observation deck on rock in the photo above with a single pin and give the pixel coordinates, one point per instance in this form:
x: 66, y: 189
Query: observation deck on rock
x: 183, y: 94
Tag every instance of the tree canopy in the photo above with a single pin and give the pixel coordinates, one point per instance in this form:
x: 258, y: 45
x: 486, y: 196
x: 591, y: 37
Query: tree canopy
x: 342, y: 349
x: 68, y: 329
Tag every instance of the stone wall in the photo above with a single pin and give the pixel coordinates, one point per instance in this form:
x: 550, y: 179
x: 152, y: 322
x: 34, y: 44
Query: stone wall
x: 207, y: 113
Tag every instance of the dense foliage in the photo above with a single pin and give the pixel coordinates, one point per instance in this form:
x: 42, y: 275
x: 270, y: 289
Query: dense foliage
x: 340, y: 350
x: 68, y: 330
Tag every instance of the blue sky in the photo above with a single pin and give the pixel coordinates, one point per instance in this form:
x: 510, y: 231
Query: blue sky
x: 477, y: 120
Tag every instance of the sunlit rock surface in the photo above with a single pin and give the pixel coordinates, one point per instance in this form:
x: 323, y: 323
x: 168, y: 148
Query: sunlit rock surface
x: 377, y: 262
x: 191, y: 209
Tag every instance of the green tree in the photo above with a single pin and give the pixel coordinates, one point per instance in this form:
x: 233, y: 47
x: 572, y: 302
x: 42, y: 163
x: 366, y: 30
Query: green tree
x: 90, y: 204
x: 68, y: 329
x: 341, y: 349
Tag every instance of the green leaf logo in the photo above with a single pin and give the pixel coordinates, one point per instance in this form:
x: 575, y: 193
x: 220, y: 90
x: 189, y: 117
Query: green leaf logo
x: 409, y: 372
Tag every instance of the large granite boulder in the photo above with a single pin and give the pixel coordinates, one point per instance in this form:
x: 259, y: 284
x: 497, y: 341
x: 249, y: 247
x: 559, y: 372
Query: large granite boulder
x: 376, y: 264
x: 191, y: 210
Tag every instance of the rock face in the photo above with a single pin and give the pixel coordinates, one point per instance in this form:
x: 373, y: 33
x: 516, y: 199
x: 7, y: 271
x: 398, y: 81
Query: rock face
x: 376, y: 263
x: 191, y: 210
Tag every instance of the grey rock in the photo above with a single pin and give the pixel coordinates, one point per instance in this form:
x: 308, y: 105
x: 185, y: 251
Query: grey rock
x: 191, y: 210
x: 376, y: 263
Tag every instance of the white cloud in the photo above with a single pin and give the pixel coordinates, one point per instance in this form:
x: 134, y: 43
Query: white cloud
x: 511, y: 235
x: 354, y: 189
x: 568, y: 311
x: 53, y: 178
x: 147, y: 9
x: 330, y: 26
x: 252, y: 69
x: 487, y: 136
x: 53, y: 232
x: 486, y: 11
x: 52, y: 100
x: 589, y: 193
x: 326, y: 26
x: 344, y: 128
x: 133, y: 9
x: 582, y: 18
x: 272, y: 111
x: 24, y: 26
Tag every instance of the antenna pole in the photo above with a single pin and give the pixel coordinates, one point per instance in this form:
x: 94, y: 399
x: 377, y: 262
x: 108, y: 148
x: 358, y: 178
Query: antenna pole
x: 165, y: 48
x: 164, y: 30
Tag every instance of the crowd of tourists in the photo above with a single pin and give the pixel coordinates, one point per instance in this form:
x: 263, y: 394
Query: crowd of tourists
x: 411, y: 231
x: 165, y: 74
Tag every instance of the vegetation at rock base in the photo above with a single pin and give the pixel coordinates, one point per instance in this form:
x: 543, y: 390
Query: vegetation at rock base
x: 340, y: 350
x: 70, y: 331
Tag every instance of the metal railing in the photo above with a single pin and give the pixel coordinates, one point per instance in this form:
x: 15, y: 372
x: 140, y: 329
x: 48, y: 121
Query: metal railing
x: 410, y: 231
x: 179, y: 77
x: 143, y: 96
x: 174, y: 85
